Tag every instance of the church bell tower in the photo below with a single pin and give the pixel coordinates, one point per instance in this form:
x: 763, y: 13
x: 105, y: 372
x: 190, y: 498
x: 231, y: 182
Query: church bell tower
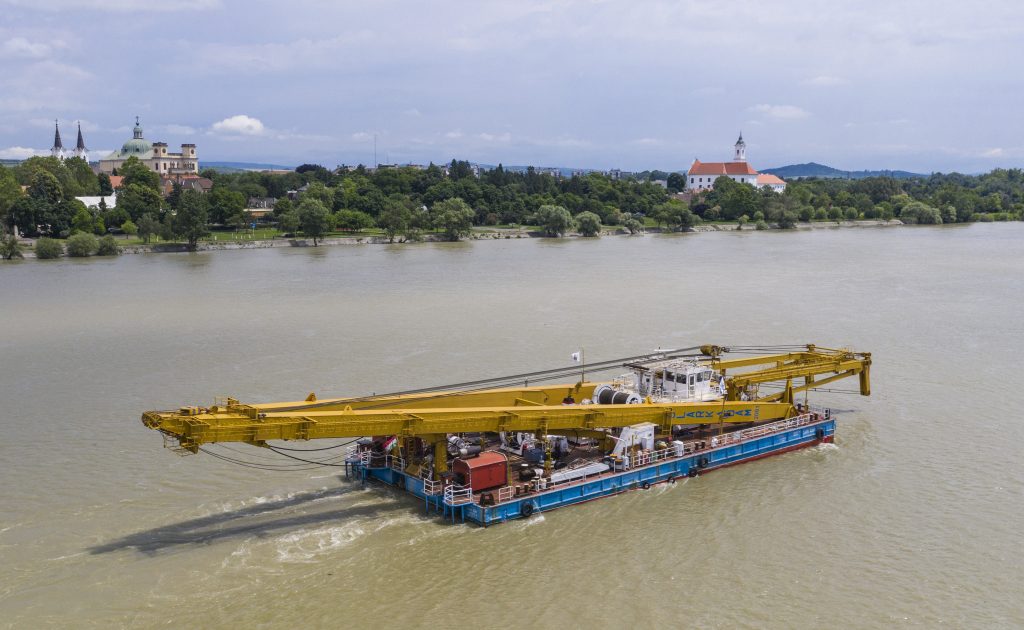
x: 57, y: 150
x: 741, y: 150
x: 80, y: 150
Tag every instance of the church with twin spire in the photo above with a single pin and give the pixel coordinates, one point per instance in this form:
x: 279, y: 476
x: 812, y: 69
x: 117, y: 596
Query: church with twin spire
x: 57, y: 150
x: 152, y: 154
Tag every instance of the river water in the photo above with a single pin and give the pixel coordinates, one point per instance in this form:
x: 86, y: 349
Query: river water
x: 912, y: 519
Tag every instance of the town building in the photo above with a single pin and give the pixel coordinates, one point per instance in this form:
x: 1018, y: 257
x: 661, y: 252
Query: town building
x: 100, y: 202
x: 702, y: 175
x: 154, y: 155
x: 189, y: 181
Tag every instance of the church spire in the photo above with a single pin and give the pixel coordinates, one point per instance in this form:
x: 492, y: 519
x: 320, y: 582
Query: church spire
x: 741, y: 150
x: 57, y: 150
x: 80, y: 150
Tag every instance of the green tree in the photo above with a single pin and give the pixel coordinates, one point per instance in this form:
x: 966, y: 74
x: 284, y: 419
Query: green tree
x: 353, y: 220
x: 82, y: 221
x: 588, y: 223
x: 676, y: 215
x: 138, y: 174
x: 85, y: 180
x: 786, y: 219
x: 137, y: 200
x: 394, y: 219
x: 10, y: 192
x: 9, y: 248
x: 129, y: 228
x: 148, y: 226
x: 319, y: 192
x: 226, y: 206
x: 919, y: 212
x: 108, y: 247
x: 314, y: 219
x: 283, y: 206
x: 82, y: 245
x: 174, y: 197
x: 454, y: 217
x: 47, y: 248
x: 27, y: 214
x: 46, y: 188
x: 289, y: 222
x: 676, y: 182
x: 632, y: 224
x: 106, y: 189
x: 191, y: 219
x: 553, y: 220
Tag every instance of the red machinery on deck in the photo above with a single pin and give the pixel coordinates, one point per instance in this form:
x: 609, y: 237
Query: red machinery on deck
x: 487, y: 470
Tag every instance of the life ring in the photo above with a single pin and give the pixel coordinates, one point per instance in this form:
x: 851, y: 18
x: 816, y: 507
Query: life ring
x: 820, y: 433
x: 526, y: 510
x: 646, y: 485
x: 703, y: 462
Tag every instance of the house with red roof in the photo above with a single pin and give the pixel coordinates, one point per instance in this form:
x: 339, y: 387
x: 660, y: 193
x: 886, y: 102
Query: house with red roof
x: 702, y: 175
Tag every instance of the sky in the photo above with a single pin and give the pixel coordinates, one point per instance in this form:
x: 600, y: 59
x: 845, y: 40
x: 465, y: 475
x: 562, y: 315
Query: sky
x: 635, y: 84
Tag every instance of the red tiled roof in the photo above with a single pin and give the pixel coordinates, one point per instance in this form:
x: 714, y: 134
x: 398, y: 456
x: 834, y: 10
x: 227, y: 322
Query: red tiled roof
x: 767, y: 178
x: 116, y: 180
x: 721, y: 168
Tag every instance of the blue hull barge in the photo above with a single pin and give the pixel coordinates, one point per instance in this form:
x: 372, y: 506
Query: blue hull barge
x: 635, y: 472
x: 498, y: 449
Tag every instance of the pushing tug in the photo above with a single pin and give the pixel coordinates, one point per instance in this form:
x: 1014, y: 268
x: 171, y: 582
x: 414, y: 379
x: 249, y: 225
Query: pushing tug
x: 500, y: 449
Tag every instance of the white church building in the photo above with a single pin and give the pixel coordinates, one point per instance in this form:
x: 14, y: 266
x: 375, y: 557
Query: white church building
x: 702, y: 175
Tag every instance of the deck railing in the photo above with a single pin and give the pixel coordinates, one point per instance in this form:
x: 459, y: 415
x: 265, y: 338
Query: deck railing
x: 644, y: 458
x: 432, y: 488
x: 455, y: 494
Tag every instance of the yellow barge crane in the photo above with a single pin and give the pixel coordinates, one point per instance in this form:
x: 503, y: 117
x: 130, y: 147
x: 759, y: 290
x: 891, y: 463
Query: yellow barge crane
x: 657, y: 396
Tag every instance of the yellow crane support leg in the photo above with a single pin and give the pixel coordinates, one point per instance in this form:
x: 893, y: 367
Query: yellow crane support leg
x: 440, y: 457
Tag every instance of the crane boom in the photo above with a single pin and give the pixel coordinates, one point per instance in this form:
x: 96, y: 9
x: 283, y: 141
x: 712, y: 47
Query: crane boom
x: 434, y: 415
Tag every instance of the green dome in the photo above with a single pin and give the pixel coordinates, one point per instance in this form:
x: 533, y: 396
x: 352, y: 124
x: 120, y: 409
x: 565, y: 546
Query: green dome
x: 136, y: 146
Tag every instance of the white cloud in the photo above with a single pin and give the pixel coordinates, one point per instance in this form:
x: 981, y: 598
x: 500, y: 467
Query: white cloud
x: 413, y: 113
x: 453, y: 135
x: 781, y: 112
x: 22, y: 48
x: 651, y: 142
x: 995, y: 152
x: 490, y: 137
x: 362, y: 136
x: 179, y: 130
x: 21, y: 153
x: 825, y: 81
x: 239, y: 125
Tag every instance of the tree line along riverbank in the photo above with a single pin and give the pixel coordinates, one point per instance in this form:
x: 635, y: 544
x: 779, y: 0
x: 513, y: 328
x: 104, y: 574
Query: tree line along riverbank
x: 37, y: 198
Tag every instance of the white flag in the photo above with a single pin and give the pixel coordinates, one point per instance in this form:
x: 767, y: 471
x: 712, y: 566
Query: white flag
x: 576, y: 357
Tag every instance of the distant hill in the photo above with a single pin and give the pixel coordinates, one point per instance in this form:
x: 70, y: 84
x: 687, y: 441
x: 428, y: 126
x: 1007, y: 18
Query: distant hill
x: 229, y: 167
x: 813, y: 169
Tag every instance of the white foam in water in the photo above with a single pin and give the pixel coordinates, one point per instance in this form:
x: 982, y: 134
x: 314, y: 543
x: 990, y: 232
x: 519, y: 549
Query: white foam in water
x: 536, y: 519
x: 307, y: 545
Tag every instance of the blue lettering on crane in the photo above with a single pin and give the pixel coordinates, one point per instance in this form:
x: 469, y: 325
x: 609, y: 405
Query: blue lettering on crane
x: 728, y: 413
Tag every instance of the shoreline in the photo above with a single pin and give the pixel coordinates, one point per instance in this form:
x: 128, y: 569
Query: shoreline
x: 489, y: 235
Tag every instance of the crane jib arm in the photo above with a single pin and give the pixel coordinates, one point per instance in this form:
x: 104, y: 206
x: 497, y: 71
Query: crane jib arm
x: 533, y: 409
